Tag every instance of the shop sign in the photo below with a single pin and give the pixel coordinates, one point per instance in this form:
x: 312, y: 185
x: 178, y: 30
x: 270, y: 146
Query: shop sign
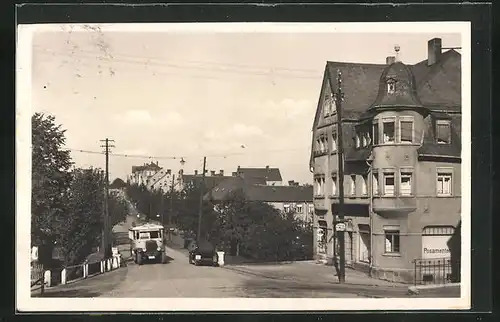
x: 435, y: 247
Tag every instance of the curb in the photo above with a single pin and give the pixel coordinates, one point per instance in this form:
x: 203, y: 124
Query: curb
x: 415, y: 290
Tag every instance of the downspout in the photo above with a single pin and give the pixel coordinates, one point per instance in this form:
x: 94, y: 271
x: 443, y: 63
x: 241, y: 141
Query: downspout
x: 370, y: 213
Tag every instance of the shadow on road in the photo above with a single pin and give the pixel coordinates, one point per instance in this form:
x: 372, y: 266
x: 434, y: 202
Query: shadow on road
x: 259, y: 287
x: 70, y: 293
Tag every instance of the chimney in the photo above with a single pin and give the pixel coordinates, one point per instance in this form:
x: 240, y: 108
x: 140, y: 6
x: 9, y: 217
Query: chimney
x: 221, y: 173
x: 390, y: 60
x: 234, y: 174
x: 195, y: 172
x: 212, y: 173
x: 156, y: 163
x: 238, y: 168
x: 169, y: 171
x: 267, y: 167
x: 290, y: 183
x: 433, y: 51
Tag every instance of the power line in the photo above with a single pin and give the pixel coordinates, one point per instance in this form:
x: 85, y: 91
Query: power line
x: 161, y: 60
x: 275, y: 72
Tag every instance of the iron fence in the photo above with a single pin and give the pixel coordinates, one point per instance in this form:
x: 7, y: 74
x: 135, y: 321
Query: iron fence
x: 436, y: 271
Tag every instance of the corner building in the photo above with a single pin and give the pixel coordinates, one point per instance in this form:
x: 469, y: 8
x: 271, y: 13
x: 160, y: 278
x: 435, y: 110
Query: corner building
x: 402, y: 162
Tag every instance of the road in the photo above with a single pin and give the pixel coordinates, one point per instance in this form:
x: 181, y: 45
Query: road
x: 178, y: 278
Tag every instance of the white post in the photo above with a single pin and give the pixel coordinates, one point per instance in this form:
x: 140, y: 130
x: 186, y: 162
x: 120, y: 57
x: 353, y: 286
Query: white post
x: 220, y: 258
x: 63, y: 276
x: 85, y: 270
x: 47, y: 278
x: 108, y: 265
x: 102, y: 266
x: 118, y: 259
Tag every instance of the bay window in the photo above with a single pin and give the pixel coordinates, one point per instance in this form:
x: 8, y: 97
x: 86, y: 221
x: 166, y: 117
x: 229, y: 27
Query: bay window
x: 388, y: 130
x: 406, y: 130
x: 389, y: 184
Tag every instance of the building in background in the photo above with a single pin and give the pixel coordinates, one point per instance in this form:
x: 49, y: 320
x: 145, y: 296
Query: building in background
x: 141, y: 174
x: 293, y: 198
x: 272, y: 176
x: 402, y: 151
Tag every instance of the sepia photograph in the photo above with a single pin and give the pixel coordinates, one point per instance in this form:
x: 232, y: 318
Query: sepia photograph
x: 248, y: 166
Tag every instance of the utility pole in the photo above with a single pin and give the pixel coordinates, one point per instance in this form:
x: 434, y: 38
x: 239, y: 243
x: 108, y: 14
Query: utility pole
x: 202, y: 189
x: 339, y: 97
x: 106, y: 240
x: 171, y: 208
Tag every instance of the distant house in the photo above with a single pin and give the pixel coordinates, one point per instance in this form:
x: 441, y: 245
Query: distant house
x: 272, y: 176
x: 292, y: 198
x: 161, y: 180
x: 141, y: 174
x: 212, y: 179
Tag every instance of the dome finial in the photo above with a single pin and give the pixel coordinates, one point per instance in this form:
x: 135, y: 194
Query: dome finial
x: 397, y: 48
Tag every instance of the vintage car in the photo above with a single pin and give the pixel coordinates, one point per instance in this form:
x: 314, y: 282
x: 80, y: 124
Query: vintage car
x: 147, y: 243
x: 202, y: 253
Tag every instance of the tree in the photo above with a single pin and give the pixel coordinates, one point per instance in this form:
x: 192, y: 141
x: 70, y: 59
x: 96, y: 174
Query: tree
x: 82, y: 225
x: 118, y: 208
x: 50, y: 178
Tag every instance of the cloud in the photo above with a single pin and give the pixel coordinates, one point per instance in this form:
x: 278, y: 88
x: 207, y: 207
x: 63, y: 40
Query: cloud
x: 134, y: 117
x: 144, y: 117
x: 236, y: 131
x: 288, y: 108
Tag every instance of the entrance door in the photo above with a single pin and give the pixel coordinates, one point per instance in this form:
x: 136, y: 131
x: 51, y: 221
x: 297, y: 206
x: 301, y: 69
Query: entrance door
x: 322, y: 235
x: 364, y: 247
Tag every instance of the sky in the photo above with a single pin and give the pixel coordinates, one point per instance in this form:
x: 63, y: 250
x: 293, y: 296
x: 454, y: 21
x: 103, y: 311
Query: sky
x: 240, y: 99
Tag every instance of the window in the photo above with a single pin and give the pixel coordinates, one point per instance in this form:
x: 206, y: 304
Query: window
x: 365, y: 139
x: 326, y: 106
x: 286, y: 208
x: 334, y: 185
x: 334, y: 142
x: 406, y: 131
x: 320, y: 183
x: 443, y: 132
x: 391, y: 86
x: 321, y: 145
x: 388, y: 130
x: 389, y: 184
x: 444, y: 183
x: 392, y: 244
x: 352, y: 187
x: 357, y: 141
x: 375, y: 132
x: 364, y: 190
x: 299, y: 209
x: 375, y: 184
x: 405, y: 183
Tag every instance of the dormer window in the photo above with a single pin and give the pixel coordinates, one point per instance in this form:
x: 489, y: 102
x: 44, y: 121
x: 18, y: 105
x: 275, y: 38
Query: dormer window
x: 391, y: 86
x: 443, y: 131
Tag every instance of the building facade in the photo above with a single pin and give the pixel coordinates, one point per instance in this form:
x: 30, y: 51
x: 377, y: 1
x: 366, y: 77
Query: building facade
x: 141, y: 174
x: 402, y: 162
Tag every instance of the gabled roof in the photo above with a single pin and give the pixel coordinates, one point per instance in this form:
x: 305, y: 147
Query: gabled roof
x: 438, y: 87
x: 256, y: 192
x: 151, y: 166
x: 269, y: 174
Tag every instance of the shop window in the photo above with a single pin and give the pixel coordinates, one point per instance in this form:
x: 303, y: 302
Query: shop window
x: 389, y: 184
x: 443, y: 132
x: 438, y: 231
x: 444, y: 182
x: 406, y: 131
x: 405, y: 184
x: 388, y: 130
x: 392, y: 240
x: 375, y: 183
x: 375, y: 134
